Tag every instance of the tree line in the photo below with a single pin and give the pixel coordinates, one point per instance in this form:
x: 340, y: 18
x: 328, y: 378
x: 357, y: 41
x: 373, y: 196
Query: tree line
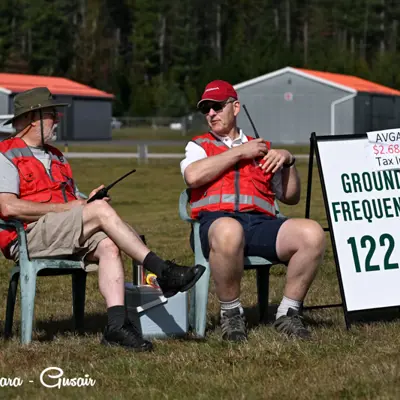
x: 157, y: 55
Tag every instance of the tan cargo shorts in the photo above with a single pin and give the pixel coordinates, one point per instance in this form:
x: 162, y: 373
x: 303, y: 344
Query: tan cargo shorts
x: 57, y: 235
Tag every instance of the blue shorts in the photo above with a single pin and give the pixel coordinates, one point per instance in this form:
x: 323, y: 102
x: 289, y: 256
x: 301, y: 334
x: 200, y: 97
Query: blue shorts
x: 260, y: 232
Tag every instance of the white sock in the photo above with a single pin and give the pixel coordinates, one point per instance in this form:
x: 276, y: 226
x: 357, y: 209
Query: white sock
x: 229, y: 305
x: 287, y: 303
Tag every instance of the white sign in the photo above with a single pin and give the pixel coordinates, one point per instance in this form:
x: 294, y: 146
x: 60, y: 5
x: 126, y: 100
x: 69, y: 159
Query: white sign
x: 364, y: 208
x: 383, y: 149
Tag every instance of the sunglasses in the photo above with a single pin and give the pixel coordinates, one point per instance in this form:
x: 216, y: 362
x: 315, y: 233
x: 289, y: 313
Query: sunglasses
x: 216, y: 106
x: 53, y: 114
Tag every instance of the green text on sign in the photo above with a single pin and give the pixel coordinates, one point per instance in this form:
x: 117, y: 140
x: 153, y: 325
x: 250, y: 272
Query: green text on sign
x: 369, y: 241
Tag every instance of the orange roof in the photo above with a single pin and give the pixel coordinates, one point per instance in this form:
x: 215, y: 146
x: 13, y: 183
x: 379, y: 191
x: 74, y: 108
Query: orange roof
x: 361, y: 85
x: 62, y: 86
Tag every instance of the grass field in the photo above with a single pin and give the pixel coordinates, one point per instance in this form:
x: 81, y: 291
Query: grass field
x: 118, y: 148
x: 338, y: 364
x: 149, y: 134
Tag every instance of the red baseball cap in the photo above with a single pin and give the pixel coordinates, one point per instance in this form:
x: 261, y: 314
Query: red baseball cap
x: 218, y: 91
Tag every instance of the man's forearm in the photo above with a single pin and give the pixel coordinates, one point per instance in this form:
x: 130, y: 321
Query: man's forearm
x: 291, y: 185
x: 206, y: 170
x: 30, y: 211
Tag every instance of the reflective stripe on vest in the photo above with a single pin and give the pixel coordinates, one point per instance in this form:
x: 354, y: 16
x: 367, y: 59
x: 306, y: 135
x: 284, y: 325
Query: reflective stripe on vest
x: 14, y: 153
x: 214, y: 142
x: 26, y: 152
x: 230, y: 198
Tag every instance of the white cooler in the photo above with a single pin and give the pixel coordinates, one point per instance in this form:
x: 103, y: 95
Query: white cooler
x: 155, y: 315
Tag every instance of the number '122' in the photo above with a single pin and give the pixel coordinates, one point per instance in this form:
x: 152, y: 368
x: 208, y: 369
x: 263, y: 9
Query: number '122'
x: 371, y: 243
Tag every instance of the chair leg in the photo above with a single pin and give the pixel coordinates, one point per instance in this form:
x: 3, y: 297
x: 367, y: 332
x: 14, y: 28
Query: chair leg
x: 28, y: 291
x: 11, y: 298
x: 198, y: 307
x: 263, y: 292
x: 78, y: 298
x: 200, y: 295
x: 192, y: 307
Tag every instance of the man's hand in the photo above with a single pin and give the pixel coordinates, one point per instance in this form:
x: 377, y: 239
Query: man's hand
x: 252, y: 149
x: 274, y: 160
x: 94, y: 191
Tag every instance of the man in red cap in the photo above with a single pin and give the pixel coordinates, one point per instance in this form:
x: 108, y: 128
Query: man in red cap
x: 234, y: 180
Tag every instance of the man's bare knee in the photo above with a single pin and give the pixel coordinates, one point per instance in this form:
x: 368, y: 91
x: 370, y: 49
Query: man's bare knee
x: 226, y: 234
x: 300, y: 235
x: 98, y: 212
x: 107, y: 248
x: 314, y: 237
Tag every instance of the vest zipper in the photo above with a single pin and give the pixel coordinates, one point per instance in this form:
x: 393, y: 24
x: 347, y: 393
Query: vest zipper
x: 50, y: 174
x: 63, y: 184
x: 52, y: 179
x: 237, y: 187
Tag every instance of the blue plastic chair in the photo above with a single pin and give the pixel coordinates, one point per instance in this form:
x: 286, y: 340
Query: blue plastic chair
x: 29, y: 269
x: 199, y: 293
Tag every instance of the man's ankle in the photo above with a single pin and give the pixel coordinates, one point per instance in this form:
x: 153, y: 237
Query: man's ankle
x: 116, y: 316
x: 230, y: 305
x: 155, y: 264
x: 287, y: 303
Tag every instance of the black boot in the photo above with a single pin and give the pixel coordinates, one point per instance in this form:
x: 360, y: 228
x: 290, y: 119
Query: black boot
x: 127, y: 336
x: 177, y: 278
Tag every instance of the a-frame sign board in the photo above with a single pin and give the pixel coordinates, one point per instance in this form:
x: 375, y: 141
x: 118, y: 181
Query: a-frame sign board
x: 363, y: 212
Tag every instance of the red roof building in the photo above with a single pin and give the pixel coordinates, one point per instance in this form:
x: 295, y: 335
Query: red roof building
x: 58, y: 86
x: 352, y: 82
x: 88, y: 117
x: 290, y: 103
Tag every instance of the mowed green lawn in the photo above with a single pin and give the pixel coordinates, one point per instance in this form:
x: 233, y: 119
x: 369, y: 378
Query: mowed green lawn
x: 340, y: 364
x: 149, y: 133
x: 121, y: 137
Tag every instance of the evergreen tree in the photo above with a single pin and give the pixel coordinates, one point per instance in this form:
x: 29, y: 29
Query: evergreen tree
x: 157, y: 55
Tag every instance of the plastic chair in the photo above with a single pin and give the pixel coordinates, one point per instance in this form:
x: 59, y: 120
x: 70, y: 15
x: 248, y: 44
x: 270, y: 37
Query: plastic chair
x: 199, y: 293
x: 29, y: 269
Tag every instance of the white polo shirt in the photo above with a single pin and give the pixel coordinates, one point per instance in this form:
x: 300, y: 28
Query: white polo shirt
x: 194, y: 152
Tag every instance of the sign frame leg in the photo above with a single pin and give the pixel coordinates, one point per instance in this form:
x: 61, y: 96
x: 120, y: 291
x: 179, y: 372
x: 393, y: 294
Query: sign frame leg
x: 314, y: 151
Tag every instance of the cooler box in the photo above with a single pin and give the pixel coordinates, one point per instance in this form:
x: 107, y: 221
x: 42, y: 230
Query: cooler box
x: 155, y: 315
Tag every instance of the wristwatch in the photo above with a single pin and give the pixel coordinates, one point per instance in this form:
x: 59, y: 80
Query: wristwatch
x: 290, y: 164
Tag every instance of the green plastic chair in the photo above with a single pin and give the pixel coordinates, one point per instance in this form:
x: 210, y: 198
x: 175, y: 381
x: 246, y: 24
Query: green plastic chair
x: 199, y: 293
x: 28, y: 269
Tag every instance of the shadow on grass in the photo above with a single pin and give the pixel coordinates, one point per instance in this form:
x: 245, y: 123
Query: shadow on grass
x: 253, y: 318
x: 370, y: 316
x: 47, y: 330
x: 93, y: 324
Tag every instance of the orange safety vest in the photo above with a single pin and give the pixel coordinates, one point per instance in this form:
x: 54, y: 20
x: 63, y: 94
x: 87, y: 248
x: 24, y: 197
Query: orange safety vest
x: 34, y: 182
x: 244, y: 187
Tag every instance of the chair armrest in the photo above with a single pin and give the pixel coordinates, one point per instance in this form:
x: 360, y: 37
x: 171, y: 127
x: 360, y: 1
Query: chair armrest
x: 82, y: 195
x: 13, y: 223
x: 277, y: 211
x: 23, y: 246
x: 183, y: 202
